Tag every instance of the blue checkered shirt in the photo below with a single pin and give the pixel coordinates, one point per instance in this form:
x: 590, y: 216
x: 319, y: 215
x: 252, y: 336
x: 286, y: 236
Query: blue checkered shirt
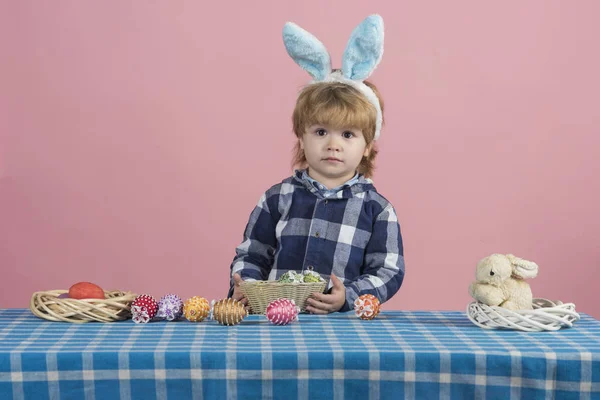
x: 323, y: 190
x: 353, y: 233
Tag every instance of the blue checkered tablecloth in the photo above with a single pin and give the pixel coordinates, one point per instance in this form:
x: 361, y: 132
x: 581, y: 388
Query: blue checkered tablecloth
x: 401, y: 354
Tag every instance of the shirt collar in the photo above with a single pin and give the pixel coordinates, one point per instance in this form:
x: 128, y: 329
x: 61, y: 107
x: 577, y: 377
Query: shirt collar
x: 322, y: 187
x: 349, y: 189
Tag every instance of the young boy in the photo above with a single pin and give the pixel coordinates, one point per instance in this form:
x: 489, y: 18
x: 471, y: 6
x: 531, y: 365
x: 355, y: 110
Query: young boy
x: 328, y: 216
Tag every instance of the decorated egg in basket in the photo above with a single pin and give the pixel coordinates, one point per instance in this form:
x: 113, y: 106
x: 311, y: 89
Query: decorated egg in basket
x: 310, y: 276
x: 291, y: 277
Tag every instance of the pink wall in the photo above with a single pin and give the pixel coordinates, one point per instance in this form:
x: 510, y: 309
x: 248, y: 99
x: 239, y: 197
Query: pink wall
x: 136, y: 139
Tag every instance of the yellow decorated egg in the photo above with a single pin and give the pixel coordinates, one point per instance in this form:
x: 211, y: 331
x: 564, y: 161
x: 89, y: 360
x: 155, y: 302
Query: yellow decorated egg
x: 196, y: 309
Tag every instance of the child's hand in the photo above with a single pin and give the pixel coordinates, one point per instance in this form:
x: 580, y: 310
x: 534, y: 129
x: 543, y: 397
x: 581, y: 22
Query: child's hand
x: 237, y: 292
x: 319, y: 303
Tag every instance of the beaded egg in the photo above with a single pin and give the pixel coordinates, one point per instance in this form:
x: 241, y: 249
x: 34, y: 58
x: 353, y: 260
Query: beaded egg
x: 143, y: 309
x: 170, y: 307
x: 229, y: 312
x: 282, y: 311
x: 311, y: 276
x: 366, y: 306
x: 291, y: 277
x: 196, y: 309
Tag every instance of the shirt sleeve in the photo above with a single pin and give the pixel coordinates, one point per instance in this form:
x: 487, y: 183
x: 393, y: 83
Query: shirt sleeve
x: 255, y: 255
x: 384, y: 262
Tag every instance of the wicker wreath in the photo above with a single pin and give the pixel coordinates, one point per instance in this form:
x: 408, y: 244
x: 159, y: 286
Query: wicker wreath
x: 261, y: 293
x: 545, y: 316
x: 115, y: 307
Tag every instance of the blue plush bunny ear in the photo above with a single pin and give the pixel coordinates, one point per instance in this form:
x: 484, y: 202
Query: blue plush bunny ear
x: 364, y: 49
x: 307, y: 51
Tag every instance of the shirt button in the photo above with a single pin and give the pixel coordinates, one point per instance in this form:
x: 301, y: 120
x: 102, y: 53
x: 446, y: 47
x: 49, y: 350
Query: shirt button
x: 317, y: 234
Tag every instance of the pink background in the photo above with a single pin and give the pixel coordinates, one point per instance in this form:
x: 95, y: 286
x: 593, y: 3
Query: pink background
x: 136, y: 137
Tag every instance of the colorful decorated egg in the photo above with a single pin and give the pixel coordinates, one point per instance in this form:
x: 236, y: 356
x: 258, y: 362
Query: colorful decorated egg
x: 310, y: 276
x: 228, y: 312
x: 291, y: 277
x: 366, y: 306
x: 196, y: 309
x: 170, y: 307
x: 282, y: 311
x: 143, y: 309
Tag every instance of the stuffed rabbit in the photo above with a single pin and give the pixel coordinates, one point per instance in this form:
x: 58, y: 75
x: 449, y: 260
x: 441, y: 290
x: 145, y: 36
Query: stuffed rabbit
x: 500, y: 282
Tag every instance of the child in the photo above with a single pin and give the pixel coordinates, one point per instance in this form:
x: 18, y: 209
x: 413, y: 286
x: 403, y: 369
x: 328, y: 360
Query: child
x: 328, y: 217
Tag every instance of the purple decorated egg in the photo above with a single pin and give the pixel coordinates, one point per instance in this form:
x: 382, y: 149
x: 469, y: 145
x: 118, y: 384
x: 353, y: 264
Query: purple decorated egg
x: 170, y: 307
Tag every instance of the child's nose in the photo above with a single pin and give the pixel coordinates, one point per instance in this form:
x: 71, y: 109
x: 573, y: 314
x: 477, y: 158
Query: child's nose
x: 334, y: 144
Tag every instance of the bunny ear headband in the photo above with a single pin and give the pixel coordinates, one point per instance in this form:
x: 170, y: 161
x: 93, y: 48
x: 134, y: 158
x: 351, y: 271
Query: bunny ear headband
x: 361, y: 57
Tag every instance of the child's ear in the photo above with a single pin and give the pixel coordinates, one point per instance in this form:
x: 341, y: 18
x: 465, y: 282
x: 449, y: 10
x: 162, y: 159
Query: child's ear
x: 301, y: 142
x: 368, y: 150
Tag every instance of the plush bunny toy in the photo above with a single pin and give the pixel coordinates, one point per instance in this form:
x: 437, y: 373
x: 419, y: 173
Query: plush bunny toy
x: 500, y: 282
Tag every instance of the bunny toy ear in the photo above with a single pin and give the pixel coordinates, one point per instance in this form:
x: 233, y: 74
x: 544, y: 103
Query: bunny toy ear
x: 364, y: 49
x: 307, y: 51
x: 522, y: 268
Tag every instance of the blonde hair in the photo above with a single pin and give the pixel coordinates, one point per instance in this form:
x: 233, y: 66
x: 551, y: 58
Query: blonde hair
x: 339, y: 106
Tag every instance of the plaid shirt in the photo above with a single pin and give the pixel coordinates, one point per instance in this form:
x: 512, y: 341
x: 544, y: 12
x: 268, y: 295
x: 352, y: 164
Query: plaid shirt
x: 353, y: 233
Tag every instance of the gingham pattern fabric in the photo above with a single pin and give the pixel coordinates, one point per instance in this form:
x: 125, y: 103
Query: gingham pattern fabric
x: 412, y: 355
x: 353, y: 233
x: 328, y: 192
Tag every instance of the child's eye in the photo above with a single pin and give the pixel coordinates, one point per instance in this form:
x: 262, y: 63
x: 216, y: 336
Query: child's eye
x: 321, y: 132
x: 348, y: 134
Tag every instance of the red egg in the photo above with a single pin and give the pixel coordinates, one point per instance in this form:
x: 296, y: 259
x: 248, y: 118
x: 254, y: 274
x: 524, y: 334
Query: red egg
x: 86, y: 290
x: 143, y: 309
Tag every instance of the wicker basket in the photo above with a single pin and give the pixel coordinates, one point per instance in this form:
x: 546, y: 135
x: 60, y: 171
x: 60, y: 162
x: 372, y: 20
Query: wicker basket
x: 261, y: 293
x: 115, y: 307
x: 545, y: 316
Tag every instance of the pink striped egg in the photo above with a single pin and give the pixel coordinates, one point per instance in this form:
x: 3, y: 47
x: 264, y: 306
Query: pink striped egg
x: 282, y: 311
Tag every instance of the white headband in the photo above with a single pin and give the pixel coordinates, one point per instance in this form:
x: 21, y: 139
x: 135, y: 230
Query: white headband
x: 362, y: 55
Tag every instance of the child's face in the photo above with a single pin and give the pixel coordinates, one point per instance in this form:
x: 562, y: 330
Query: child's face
x: 333, y: 155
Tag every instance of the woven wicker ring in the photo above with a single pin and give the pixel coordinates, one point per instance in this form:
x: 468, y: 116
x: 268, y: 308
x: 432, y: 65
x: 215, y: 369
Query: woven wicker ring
x: 545, y: 316
x: 115, y: 307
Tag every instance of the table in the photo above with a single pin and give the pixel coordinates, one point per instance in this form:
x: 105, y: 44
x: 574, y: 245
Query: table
x: 400, y: 354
